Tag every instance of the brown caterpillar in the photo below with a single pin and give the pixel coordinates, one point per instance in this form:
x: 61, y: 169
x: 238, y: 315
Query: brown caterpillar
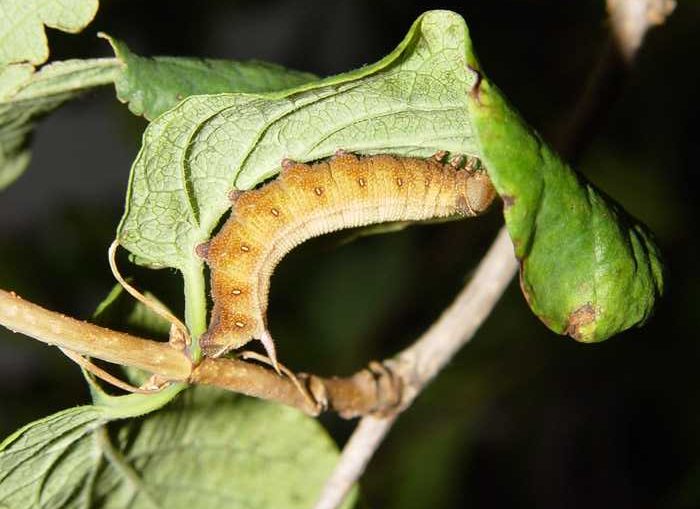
x: 309, y: 200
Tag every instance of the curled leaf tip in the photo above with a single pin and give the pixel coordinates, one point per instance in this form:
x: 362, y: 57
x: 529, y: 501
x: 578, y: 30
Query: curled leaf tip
x: 587, y: 268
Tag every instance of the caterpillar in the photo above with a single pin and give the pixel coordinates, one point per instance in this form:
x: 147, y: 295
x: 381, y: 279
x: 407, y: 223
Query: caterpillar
x: 306, y: 201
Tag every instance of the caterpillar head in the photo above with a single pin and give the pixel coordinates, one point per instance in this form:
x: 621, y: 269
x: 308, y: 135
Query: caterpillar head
x: 475, y: 192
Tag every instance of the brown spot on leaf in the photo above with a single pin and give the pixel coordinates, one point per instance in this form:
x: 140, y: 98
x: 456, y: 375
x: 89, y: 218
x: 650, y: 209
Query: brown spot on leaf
x: 583, y: 316
x: 508, y: 201
x: 476, y: 89
x: 524, y: 287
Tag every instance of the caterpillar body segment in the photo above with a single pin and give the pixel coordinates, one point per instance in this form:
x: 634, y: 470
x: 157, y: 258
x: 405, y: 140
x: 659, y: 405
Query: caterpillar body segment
x: 306, y: 201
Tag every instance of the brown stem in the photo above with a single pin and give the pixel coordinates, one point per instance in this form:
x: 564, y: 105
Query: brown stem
x: 86, y: 338
x: 360, y: 394
x: 250, y: 379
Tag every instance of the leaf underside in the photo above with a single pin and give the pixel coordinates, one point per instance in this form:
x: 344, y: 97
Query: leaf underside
x: 22, y: 26
x: 409, y: 103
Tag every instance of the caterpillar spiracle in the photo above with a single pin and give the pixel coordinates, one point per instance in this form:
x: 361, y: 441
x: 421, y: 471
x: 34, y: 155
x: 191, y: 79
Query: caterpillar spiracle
x: 306, y: 201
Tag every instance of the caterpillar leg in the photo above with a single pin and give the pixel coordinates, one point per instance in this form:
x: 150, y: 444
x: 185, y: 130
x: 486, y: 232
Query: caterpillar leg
x: 269, y: 345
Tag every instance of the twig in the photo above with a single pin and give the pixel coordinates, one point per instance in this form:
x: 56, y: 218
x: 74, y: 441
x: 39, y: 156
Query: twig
x: 360, y: 394
x: 88, y: 339
x: 100, y: 373
x: 631, y: 20
x: 356, y: 454
x: 419, y: 363
x: 150, y: 303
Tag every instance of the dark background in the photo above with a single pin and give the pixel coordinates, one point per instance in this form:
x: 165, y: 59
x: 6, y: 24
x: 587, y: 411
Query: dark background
x: 521, y: 417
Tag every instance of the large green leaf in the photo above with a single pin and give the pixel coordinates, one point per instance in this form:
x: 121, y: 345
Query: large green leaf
x: 22, y: 26
x: 26, y: 96
x: 411, y: 102
x: 153, y: 85
x: 587, y: 268
x: 208, y: 448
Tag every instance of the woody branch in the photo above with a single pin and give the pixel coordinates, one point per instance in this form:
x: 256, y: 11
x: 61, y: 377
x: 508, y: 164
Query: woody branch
x: 362, y: 393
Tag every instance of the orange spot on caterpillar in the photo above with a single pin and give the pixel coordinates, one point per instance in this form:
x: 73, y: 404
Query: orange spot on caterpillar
x: 403, y: 189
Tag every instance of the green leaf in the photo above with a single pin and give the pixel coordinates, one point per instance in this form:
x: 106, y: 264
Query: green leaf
x: 587, y: 268
x: 22, y: 26
x: 48, y: 463
x: 410, y: 102
x: 25, y: 96
x: 151, y: 86
x: 206, y: 449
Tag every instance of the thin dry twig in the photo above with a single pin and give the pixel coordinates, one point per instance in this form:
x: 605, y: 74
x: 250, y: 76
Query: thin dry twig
x: 366, y: 438
x: 630, y: 21
x: 152, y: 304
x: 106, y: 376
x: 420, y: 362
